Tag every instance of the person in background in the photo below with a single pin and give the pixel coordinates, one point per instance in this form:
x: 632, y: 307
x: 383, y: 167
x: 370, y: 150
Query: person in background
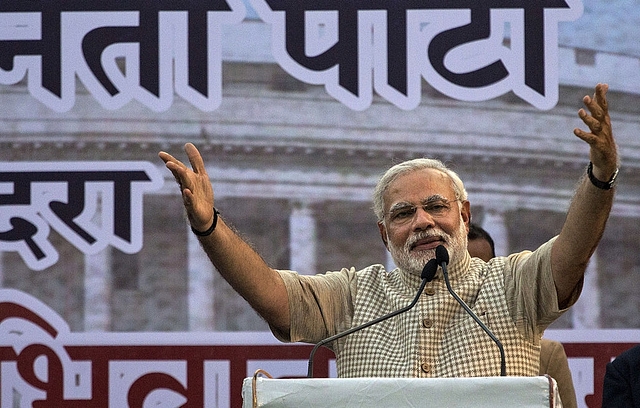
x: 480, y: 244
x: 553, y: 359
x: 621, y: 388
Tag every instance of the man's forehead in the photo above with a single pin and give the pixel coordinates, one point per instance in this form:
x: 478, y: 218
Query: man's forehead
x: 418, y: 186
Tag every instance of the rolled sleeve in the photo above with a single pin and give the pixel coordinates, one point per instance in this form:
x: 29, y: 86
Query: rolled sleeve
x: 319, y: 305
x: 531, y: 291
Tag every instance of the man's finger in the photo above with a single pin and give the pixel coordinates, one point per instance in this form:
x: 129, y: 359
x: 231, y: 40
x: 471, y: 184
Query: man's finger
x: 601, y: 92
x: 197, y: 164
x: 587, y: 137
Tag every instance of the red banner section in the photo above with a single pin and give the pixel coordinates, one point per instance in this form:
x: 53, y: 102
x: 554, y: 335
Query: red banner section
x: 43, y: 364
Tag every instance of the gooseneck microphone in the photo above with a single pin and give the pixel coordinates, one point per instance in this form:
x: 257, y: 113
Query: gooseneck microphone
x: 442, y: 258
x: 428, y: 272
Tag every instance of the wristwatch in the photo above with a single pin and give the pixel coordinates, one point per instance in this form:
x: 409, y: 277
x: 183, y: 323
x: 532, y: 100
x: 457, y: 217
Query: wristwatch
x: 603, y: 185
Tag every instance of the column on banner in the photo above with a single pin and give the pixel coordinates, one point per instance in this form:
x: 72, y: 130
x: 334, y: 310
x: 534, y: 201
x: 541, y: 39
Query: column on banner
x: 97, y: 291
x: 303, y: 239
x: 585, y: 314
x: 495, y: 224
x: 200, y: 274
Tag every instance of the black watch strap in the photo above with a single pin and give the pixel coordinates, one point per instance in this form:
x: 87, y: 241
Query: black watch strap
x: 603, y: 185
x: 211, y: 228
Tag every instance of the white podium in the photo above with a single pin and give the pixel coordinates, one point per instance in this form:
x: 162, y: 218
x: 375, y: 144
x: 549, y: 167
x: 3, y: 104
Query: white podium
x: 489, y: 392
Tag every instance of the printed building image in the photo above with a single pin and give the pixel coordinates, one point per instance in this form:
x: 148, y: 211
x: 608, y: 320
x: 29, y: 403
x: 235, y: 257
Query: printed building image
x: 293, y: 170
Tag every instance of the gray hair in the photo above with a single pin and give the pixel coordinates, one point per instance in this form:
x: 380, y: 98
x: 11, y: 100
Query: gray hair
x: 408, y: 166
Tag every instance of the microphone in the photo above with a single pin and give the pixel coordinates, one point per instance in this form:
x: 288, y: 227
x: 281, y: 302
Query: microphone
x: 442, y: 258
x: 428, y: 272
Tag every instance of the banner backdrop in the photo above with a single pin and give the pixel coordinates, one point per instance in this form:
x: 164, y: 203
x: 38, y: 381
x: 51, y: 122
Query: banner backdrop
x: 297, y: 110
x: 44, y: 363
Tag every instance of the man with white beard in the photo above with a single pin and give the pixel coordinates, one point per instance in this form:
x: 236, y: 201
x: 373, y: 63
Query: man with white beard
x: 421, y: 204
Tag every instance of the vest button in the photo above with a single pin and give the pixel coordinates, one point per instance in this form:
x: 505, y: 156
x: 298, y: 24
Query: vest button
x: 425, y: 367
x: 429, y: 291
x: 427, y: 323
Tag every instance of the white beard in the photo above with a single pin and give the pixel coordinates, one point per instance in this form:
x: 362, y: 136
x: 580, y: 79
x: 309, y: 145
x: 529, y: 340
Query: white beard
x: 414, y: 262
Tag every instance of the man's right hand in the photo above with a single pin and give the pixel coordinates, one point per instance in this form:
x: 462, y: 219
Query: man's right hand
x: 195, y: 186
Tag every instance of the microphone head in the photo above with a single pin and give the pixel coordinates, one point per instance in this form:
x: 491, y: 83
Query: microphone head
x: 429, y: 270
x: 442, y: 255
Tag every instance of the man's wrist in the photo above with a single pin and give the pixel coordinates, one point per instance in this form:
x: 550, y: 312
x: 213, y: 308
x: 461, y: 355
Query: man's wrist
x: 211, y: 228
x: 603, y: 185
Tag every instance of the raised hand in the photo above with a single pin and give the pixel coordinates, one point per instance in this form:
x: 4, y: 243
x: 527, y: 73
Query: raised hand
x: 604, y: 152
x: 195, y: 186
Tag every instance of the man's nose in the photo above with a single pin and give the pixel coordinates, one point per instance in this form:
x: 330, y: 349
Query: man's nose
x: 422, y: 220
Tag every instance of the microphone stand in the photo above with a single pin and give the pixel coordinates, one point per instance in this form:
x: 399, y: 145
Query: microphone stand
x: 443, y: 264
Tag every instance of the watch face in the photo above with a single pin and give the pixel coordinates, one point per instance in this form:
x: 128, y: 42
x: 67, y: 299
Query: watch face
x: 613, y: 178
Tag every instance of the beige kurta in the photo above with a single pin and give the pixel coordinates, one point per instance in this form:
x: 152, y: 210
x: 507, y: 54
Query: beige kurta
x: 514, y: 296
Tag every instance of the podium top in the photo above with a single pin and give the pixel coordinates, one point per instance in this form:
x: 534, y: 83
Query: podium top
x: 489, y: 392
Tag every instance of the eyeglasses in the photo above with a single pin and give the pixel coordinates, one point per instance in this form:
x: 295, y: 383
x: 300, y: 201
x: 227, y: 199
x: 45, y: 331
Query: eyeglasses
x: 403, y: 213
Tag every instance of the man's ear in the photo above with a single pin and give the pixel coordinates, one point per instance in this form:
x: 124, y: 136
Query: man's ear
x: 465, y: 213
x: 383, y: 234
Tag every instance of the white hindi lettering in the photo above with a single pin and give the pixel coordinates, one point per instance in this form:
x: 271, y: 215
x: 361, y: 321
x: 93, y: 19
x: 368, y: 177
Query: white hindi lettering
x: 89, y: 38
x: 89, y: 203
x: 402, y: 42
x: 467, y: 50
x: 44, y: 364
